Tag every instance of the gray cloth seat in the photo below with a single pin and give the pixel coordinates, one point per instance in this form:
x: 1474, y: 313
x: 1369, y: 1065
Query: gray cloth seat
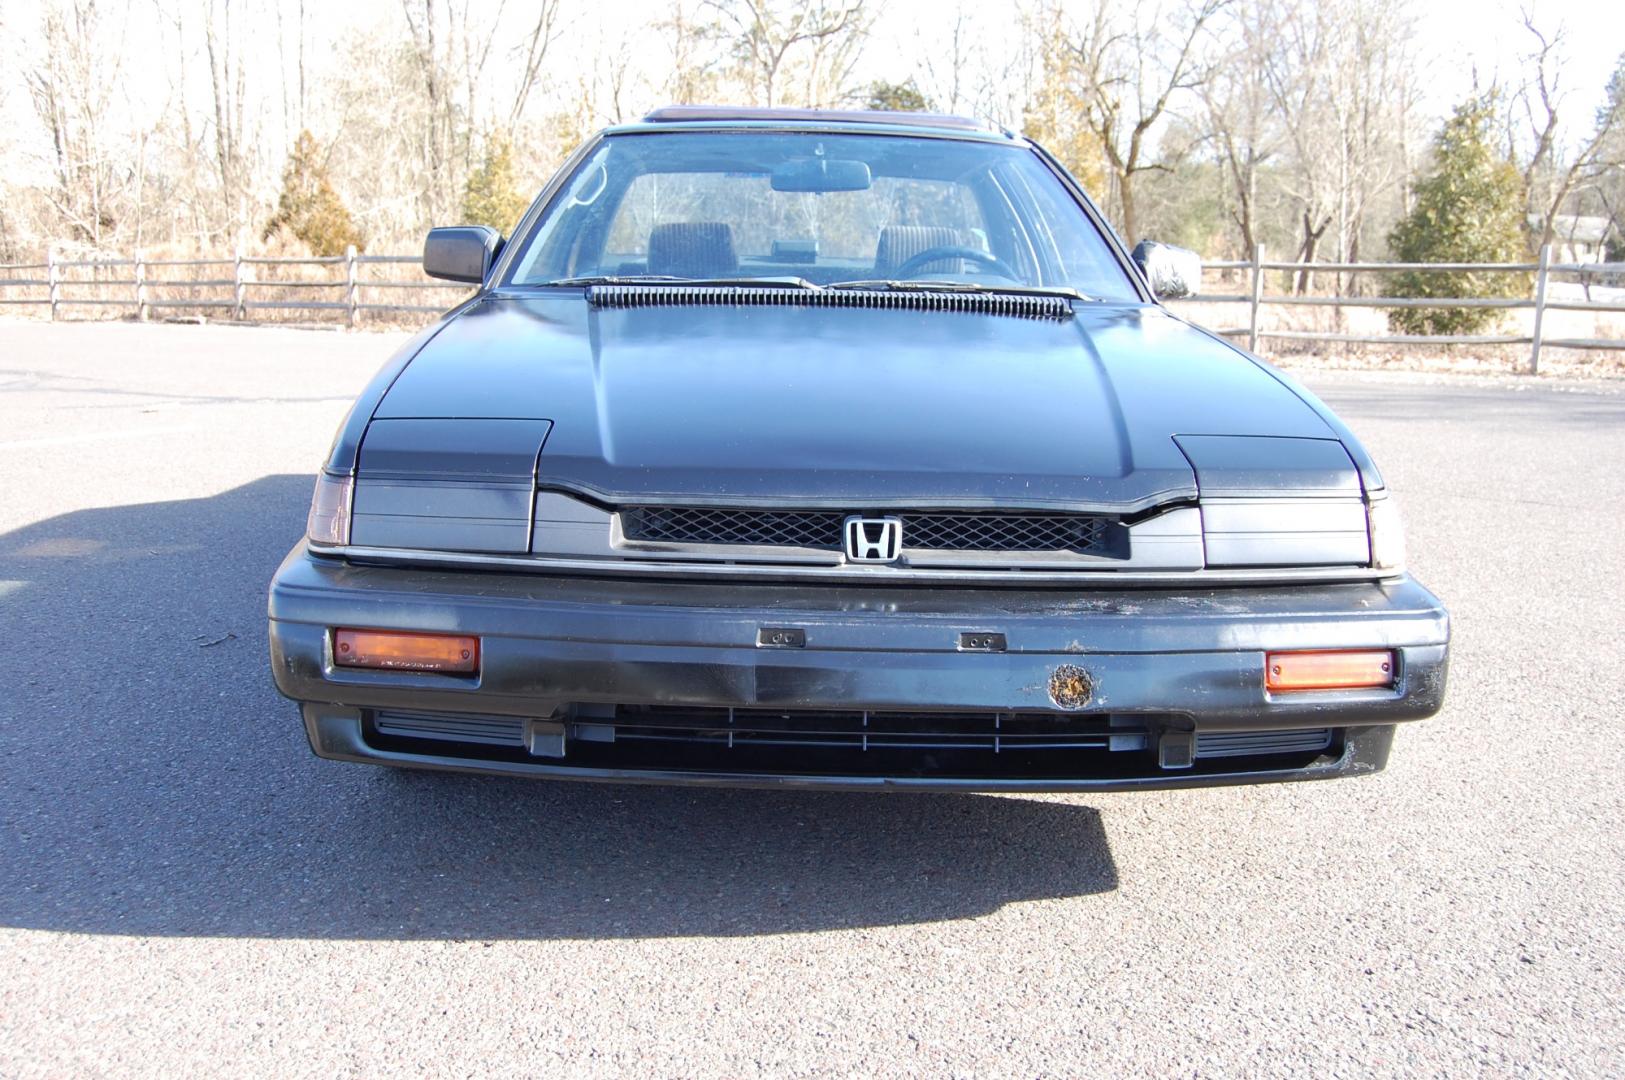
x: 900, y: 243
x: 695, y: 249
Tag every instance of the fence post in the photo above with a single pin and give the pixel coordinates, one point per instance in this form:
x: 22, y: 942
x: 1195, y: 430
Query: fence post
x: 1540, y: 307
x: 140, y: 285
x: 52, y: 279
x: 349, y: 284
x: 239, y: 310
x: 1257, y: 298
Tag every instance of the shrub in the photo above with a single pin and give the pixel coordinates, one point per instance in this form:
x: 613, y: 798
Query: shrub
x: 492, y: 196
x: 308, y: 207
x: 1469, y: 209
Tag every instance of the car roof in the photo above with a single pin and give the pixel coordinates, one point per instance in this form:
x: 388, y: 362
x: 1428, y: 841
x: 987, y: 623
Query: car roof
x: 724, y: 116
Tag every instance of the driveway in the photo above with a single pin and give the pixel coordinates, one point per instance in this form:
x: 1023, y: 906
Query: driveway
x: 185, y: 889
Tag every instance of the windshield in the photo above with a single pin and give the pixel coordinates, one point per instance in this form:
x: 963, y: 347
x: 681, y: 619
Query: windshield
x: 824, y: 208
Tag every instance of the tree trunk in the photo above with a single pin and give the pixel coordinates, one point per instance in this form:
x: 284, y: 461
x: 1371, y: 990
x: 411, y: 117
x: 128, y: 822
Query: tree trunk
x: 1306, y: 251
x: 1131, y: 216
x: 1246, y: 194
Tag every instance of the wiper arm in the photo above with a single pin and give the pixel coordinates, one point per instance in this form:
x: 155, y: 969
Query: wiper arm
x: 768, y: 283
x: 917, y: 285
x: 610, y: 279
x: 684, y: 282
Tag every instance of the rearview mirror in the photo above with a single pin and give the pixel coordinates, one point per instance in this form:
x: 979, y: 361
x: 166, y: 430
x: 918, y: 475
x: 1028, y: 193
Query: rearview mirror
x: 1172, y: 272
x: 819, y: 174
x: 461, y: 252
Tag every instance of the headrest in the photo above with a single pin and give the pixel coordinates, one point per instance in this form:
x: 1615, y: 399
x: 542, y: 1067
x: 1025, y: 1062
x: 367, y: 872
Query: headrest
x: 695, y: 249
x: 900, y: 243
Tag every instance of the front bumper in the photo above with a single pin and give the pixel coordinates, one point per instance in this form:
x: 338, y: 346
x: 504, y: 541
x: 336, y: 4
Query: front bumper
x: 1167, y: 667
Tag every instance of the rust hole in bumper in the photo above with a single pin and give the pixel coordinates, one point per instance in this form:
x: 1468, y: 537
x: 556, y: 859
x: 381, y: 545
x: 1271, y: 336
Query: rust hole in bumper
x: 1070, y: 687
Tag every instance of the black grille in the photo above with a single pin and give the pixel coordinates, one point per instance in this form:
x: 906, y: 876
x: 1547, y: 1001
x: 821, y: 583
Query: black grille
x: 690, y: 525
x: 1001, y: 532
x: 1082, y: 533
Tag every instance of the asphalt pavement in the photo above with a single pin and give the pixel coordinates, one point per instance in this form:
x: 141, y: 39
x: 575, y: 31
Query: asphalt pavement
x: 185, y: 890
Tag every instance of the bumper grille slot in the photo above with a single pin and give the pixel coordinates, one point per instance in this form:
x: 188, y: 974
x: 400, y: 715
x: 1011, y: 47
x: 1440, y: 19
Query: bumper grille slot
x: 841, y: 742
x: 452, y: 727
x: 1080, y: 533
x: 1247, y: 743
x: 863, y: 730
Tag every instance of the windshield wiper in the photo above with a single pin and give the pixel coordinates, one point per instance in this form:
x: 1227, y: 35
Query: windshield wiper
x: 608, y: 279
x: 917, y: 285
x: 681, y: 282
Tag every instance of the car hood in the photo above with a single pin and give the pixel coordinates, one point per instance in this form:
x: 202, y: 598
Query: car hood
x: 850, y: 407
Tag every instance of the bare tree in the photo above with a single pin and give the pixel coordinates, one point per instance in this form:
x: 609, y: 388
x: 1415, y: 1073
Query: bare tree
x: 766, y: 35
x: 1548, y: 179
x: 1374, y: 89
x: 228, y: 98
x: 604, y: 94
x: 428, y: 54
x: 944, y: 74
x: 1305, y: 112
x: 450, y: 44
x: 1609, y: 174
x: 1340, y: 79
x: 543, y: 33
x: 188, y: 215
x: 1056, y: 111
x: 1297, y: 74
x: 1242, y: 123
x: 831, y: 58
x: 79, y: 64
x: 1133, y: 63
x: 300, y: 27
x: 292, y: 84
x: 692, y: 38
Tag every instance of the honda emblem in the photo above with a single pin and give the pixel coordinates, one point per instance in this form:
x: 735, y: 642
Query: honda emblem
x: 874, y: 540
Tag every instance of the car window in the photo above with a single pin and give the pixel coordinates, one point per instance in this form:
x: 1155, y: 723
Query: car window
x: 825, y: 207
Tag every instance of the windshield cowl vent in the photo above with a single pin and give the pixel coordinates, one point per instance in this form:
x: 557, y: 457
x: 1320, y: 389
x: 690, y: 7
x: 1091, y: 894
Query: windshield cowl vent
x: 638, y: 296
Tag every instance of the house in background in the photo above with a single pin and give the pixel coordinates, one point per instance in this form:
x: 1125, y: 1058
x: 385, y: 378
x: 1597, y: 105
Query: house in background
x: 1578, y: 240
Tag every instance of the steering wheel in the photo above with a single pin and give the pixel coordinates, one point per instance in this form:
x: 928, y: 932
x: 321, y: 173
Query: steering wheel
x: 909, y: 267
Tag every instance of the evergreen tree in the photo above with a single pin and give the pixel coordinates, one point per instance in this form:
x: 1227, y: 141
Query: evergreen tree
x: 492, y: 196
x: 308, y: 207
x: 1468, y: 210
x: 895, y: 97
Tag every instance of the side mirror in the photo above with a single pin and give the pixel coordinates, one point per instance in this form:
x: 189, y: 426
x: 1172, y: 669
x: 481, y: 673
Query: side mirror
x: 461, y: 252
x: 1172, y: 272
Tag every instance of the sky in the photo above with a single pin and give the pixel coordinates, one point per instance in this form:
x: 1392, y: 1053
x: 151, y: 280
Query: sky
x: 1488, y: 36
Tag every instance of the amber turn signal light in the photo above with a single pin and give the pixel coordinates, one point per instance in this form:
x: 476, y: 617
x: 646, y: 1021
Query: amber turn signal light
x: 406, y: 651
x: 1353, y: 670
